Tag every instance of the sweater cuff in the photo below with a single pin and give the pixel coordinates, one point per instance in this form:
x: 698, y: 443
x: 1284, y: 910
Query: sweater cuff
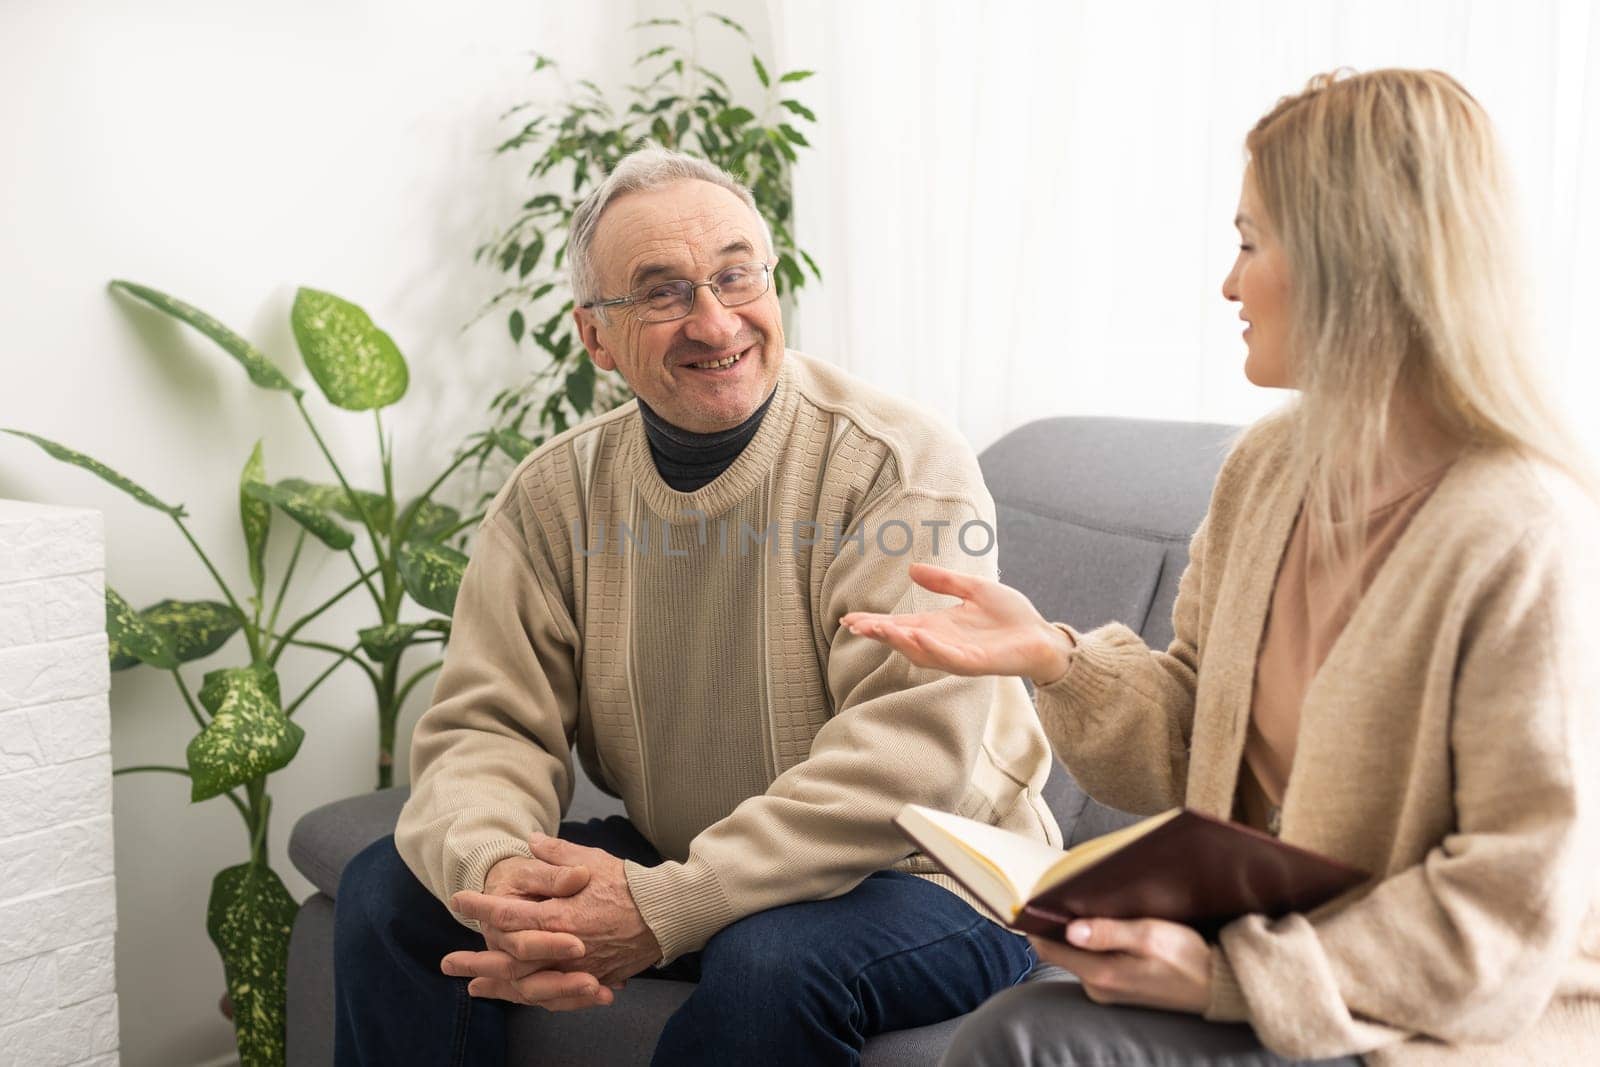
x: 1227, y: 1003
x: 472, y: 869
x: 1093, y: 668
x: 682, y: 903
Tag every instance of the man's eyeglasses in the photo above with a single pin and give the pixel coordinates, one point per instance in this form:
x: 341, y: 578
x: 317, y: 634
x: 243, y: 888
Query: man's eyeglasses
x: 665, y: 301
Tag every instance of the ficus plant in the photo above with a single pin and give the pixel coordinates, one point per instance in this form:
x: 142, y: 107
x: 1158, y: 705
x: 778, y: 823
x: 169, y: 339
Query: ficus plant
x: 576, y: 138
x: 246, y: 723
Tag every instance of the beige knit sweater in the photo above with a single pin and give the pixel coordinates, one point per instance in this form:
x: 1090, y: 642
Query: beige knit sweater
x: 704, y: 677
x: 1447, y: 745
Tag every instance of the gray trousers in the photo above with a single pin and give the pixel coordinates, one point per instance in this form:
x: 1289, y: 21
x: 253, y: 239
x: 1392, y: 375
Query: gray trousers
x: 1049, y: 1022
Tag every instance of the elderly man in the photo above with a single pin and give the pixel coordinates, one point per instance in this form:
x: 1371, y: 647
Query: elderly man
x: 660, y: 589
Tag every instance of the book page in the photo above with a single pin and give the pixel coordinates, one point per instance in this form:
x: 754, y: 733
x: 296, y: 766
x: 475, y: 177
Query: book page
x: 1017, y: 861
x: 1088, y: 852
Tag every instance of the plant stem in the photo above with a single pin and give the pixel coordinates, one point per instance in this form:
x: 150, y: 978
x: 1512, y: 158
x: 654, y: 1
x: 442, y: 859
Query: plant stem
x: 283, y: 587
x: 471, y: 520
x: 342, y: 653
x: 260, y: 806
x: 283, y: 641
x: 366, y: 576
x: 244, y: 620
x: 427, y: 494
x: 185, y: 772
x: 388, y: 713
x: 411, y: 683
x: 356, y: 501
x: 187, y: 699
x: 319, y: 679
x: 152, y: 767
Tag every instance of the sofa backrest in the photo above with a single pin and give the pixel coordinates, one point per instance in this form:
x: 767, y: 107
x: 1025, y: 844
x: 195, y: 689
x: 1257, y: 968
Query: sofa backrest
x: 1095, y: 516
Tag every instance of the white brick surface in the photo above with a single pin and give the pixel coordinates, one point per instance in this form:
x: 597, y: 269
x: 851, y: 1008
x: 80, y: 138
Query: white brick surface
x: 68, y: 792
x: 58, y: 1003
x: 49, y: 609
x: 27, y: 988
x: 54, y: 733
x: 58, y: 919
x: 45, y: 542
x: 62, y: 855
x: 54, y: 671
x: 86, y: 971
x: 64, y: 1037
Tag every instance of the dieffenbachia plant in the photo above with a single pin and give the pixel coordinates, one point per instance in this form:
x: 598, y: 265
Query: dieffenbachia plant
x: 246, y: 727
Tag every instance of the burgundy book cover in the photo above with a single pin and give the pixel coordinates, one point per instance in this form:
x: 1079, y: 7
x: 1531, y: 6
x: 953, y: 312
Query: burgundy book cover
x: 1196, y: 870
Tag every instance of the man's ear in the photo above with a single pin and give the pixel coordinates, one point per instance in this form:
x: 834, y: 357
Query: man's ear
x: 589, y: 335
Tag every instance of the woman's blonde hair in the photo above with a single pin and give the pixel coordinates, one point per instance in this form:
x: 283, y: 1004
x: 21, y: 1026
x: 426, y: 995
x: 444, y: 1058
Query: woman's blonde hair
x: 1389, y: 196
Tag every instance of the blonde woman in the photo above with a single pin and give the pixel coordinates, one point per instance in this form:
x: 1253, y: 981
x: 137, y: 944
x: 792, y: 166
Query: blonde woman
x: 1385, y: 641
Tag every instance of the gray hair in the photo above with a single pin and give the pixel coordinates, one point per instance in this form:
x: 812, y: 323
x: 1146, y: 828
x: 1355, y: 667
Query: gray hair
x: 642, y: 171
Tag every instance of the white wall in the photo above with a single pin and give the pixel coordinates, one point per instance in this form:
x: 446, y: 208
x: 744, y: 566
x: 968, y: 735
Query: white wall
x: 58, y: 1002
x: 228, y: 153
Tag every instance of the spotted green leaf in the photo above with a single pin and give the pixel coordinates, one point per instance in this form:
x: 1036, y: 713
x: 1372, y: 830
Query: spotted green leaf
x: 196, y: 628
x: 304, y: 510
x: 425, y: 520
x: 249, y: 918
x: 432, y: 574
x: 94, y: 466
x: 333, y: 498
x: 356, y: 364
x: 248, y: 734
x: 255, y: 516
x: 133, y: 639
x: 261, y: 370
x: 381, y: 642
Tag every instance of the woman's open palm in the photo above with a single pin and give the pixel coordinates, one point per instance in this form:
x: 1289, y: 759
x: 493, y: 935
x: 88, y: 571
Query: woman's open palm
x: 994, y: 630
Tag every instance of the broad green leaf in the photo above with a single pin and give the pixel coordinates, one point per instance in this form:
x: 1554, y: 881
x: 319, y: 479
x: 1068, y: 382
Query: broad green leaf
x: 356, y: 364
x: 513, y: 444
x: 94, y: 466
x: 256, y: 518
x: 381, y: 642
x: 794, y: 135
x: 517, y: 324
x: 425, y: 520
x: 761, y: 71
x: 261, y: 370
x: 248, y: 734
x: 305, y: 511
x: 133, y: 637
x: 734, y: 116
x: 432, y: 574
x: 333, y: 498
x: 580, y: 387
x: 797, y: 76
x: 196, y: 628
x: 530, y: 257
x: 249, y: 918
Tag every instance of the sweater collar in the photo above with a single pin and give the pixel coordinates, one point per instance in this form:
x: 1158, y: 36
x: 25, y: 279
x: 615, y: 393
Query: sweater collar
x: 686, y: 460
x: 752, y: 464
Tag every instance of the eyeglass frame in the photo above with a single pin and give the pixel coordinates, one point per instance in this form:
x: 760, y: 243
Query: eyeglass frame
x: 636, y: 296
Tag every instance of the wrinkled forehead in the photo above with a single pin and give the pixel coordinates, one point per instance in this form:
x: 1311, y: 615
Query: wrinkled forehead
x: 684, y: 230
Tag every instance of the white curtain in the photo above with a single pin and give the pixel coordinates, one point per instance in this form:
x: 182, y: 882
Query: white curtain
x: 1025, y: 209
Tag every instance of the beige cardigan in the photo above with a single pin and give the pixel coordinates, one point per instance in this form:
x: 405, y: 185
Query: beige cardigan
x: 1447, y: 745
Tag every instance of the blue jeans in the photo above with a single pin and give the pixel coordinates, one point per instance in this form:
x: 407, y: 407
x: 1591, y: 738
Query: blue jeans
x: 819, y: 977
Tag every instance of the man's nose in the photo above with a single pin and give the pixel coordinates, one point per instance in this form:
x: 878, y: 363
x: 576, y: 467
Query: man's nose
x: 709, y: 322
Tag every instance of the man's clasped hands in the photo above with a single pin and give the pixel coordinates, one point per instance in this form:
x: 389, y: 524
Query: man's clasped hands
x: 560, y: 929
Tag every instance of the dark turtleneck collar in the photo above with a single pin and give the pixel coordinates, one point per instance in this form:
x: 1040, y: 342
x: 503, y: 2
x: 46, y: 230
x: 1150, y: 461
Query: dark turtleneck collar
x: 686, y: 461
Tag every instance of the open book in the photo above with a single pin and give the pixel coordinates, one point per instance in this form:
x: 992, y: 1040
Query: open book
x: 1179, y: 865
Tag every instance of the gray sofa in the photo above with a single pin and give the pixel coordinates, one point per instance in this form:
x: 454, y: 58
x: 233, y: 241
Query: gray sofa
x: 1094, y: 517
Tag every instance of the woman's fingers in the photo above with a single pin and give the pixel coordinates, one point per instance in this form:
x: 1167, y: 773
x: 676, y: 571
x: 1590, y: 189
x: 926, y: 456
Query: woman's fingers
x: 937, y: 579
